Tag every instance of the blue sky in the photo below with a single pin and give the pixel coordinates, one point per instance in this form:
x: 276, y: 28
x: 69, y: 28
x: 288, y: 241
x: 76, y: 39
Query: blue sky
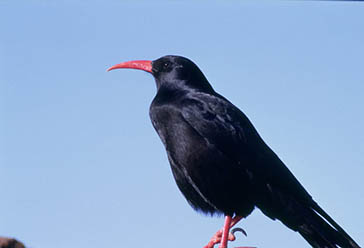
x: 80, y: 163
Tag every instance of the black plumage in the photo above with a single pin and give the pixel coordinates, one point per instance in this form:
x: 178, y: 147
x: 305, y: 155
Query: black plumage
x: 219, y: 161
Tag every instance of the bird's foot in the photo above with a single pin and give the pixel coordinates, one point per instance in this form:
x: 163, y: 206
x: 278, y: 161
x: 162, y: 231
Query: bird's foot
x: 216, y: 239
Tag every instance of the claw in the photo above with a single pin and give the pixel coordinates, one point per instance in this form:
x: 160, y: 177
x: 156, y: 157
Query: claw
x: 216, y: 239
x: 239, y: 229
x: 229, y: 236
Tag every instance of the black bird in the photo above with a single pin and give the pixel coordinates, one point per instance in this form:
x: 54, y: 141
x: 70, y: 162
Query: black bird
x: 219, y: 161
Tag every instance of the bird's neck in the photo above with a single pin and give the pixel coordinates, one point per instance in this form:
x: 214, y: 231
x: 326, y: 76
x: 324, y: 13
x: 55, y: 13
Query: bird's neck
x: 168, y: 93
x: 191, y: 85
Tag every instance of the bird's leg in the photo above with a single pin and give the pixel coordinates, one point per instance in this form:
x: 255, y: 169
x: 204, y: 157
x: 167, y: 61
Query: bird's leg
x: 219, y: 234
x: 235, y: 220
x: 225, y: 232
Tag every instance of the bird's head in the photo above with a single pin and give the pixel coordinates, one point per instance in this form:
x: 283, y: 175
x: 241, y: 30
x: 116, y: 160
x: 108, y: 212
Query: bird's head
x: 175, y: 71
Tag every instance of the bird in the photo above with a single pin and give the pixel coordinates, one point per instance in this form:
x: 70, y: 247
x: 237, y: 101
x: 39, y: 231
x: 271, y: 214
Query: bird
x: 219, y: 161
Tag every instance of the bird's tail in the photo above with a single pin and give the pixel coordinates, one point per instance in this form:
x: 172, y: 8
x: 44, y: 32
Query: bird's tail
x: 311, y: 221
x: 321, y: 231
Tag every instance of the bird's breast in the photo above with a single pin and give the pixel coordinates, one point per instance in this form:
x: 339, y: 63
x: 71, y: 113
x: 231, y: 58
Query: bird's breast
x: 208, y: 179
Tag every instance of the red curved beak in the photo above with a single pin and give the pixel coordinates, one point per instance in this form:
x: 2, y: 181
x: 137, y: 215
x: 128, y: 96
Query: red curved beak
x: 145, y: 65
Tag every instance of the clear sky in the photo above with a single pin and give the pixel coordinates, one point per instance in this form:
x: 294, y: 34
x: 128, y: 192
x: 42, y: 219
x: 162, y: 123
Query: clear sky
x: 80, y: 163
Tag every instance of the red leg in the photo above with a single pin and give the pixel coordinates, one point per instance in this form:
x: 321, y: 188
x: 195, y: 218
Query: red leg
x: 218, y: 235
x: 225, y: 232
x: 235, y: 220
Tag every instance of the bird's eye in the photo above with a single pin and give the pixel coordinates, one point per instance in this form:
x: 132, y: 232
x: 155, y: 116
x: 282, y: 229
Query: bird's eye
x: 165, y: 65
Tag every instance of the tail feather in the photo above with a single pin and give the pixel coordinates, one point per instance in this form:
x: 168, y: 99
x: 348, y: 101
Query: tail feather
x: 310, y: 220
x: 314, y: 237
x: 332, y: 231
x: 321, y: 234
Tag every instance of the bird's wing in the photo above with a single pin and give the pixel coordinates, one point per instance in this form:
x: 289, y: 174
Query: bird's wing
x: 216, y: 120
x: 225, y: 126
x: 280, y: 195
